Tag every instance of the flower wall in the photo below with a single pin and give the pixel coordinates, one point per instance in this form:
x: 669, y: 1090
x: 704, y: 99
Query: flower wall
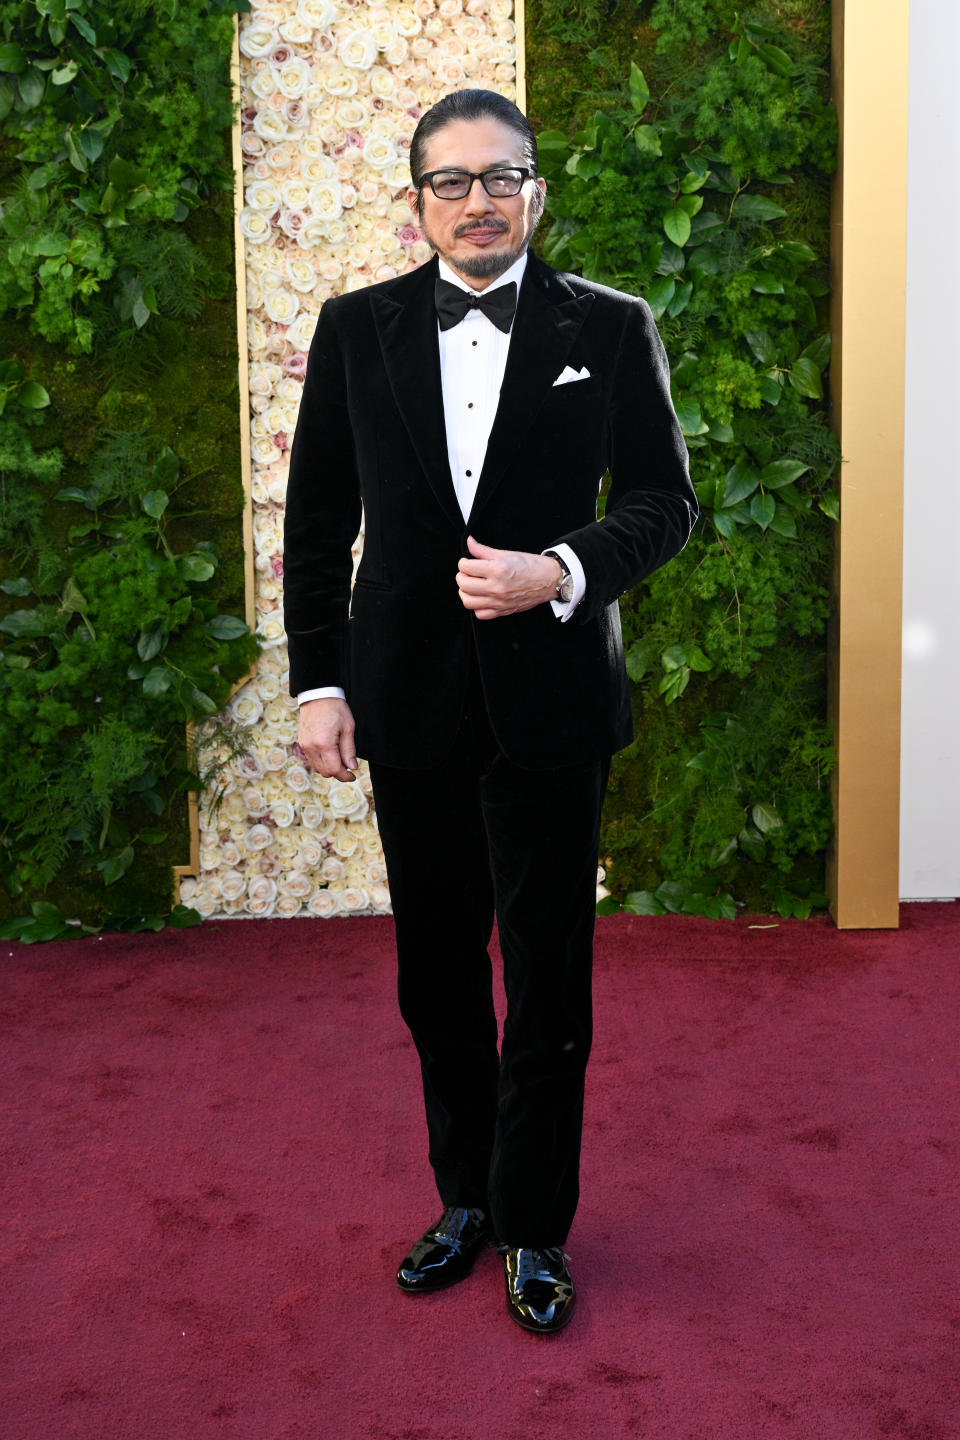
x: 330, y: 96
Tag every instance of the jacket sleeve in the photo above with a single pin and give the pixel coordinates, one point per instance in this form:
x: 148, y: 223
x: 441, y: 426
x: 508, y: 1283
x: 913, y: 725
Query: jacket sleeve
x: 323, y: 513
x: 651, y: 506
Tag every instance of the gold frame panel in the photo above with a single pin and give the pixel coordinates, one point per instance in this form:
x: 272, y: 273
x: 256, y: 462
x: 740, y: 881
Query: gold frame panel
x: 868, y: 248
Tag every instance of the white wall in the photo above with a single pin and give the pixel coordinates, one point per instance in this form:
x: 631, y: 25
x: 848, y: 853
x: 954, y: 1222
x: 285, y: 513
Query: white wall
x: 930, y: 713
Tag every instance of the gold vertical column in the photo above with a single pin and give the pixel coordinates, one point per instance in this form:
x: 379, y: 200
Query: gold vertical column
x: 868, y: 245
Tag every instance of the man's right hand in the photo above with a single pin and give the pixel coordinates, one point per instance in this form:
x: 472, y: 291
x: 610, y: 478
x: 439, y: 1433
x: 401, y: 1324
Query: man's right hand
x: 326, y: 738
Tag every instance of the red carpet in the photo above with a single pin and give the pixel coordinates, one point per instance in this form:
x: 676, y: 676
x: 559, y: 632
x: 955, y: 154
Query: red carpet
x: 213, y: 1158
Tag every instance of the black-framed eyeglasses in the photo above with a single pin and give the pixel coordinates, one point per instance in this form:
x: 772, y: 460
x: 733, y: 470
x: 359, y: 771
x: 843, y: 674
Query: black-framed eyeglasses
x: 455, y: 184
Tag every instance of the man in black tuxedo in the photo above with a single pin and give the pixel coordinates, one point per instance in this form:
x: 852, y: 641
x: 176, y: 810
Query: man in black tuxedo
x: 472, y: 408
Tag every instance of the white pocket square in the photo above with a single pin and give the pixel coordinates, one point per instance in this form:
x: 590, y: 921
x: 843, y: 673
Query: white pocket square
x: 568, y: 373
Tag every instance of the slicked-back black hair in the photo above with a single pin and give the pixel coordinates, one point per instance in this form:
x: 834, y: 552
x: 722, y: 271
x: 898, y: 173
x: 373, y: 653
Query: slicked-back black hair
x: 471, y: 105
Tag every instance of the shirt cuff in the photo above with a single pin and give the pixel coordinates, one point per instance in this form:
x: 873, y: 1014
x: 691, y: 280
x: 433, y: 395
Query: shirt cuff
x: 327, y: 692
x: 563, y: 610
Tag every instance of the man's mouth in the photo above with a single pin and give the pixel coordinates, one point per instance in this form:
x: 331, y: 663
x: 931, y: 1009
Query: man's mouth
x: 483, y: 234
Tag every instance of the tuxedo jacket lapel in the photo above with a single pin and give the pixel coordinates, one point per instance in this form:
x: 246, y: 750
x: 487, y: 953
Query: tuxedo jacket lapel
x: 548, y: 320
x: 407, y: 330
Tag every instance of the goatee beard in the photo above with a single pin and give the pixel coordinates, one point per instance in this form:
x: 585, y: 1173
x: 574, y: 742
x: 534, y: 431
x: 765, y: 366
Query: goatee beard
x: 485, y: 266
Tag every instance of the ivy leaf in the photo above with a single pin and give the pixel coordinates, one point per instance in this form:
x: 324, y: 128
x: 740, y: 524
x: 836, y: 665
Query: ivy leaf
x: 725, y: 523
x: 227, y: 627
x: 776, y: 60
x: 693, y: 180
x: 752, y: 844
x: 65, y: 73
x: 784, y: 523
x: 741, y: 480
x: 674, y: 657
x: 676, y: 224
x: 766, y: 284
x: 117, y: 865
x: 681, y: 299
x: 673, y: 684
x: 202, y: 701
x: 195, y: 567
x: 757, y: 207
x: 84, y: 26
x: 722, y: 432
x: 74, y: 154
x: 697, y: 660
x: 20, y: 586
x: 770, y: 389
x: 157, y: 681
x: 639, y: 89
x: 151, y: 642
x: 643, y: 902
x: 33, y: 396
x: 183, y: 917
x: 690, y: 418
x: 659, y: 293
x: 762, y: 510
x: 31, y: 86
x: 782, y: 472
x: 92, y: 143
x: 155, y: 502
x: 118, y: 64
x: 830, y: 504
x: 22, y: 623
x: 819, y: 351
x: 588, y: 166
x: 765, y: 817
x: 608, y: 906
x: 12, y: 59
x: 647, y: 140
x: 762, y: 346
x: 805, y: 378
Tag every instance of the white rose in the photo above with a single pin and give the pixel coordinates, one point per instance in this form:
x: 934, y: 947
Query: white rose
x: 251, y: 145
x: 263, y: 451
x: 318, y: 14
x: 340, y: 82
x: 256, y: 39
x: 358, y: 50
x: 297, y: 779
x: 332, y: 871
x: 382, y: 82
x: 283, y: 813
x: 376, y: 873
x: 379, y: 898
x: 254, y: 226
x: 287, y: 907
x: 345, y: 799
x: 234, y: 885
x: 294, y: 193
x: 259, y: 908
x: 324, y: 199
x: 300, y: 274
x: 297, y: 883
x: 277, y: 489
x: 296, y: 30
x: 346, y: 842
x: 188, y: 888
x: 259, y: 837
x: 400, y: 175
x: 264, y: 84
x: 270, y: 126
x: 273, y: 419
x: 313, y: 234
x: 301, y: 331
x: 407, y: 21
x: 379, y: 153
x: 293, y: 78
x: 309, y: 856
x: 324, y: 904
x: 395, y: 54
x: 254, y: 801
x: 353, y: 899
x: 245, y: 706
x: 268, y: 688
x: 312, y: 816
x: 282, y: 306
x: 271, y: 632
x: 203, y: 902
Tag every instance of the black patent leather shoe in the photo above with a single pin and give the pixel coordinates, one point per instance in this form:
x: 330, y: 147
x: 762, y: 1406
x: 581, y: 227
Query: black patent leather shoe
x: 540, y: 1293
x: 445, y: 1254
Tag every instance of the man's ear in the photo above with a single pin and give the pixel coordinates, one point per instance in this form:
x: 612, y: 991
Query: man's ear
x: 413, y: 199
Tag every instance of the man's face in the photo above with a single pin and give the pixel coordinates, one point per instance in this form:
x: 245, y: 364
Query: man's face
x: 478, y: 236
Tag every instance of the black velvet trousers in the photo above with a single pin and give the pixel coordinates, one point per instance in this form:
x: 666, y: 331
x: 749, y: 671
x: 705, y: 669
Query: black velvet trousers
x: 470, y: 837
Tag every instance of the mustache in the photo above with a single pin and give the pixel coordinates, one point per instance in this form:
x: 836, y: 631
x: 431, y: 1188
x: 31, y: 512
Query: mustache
x: 468, y: 229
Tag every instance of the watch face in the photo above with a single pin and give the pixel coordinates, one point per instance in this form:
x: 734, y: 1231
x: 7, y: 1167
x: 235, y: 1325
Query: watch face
x: 565, y: 589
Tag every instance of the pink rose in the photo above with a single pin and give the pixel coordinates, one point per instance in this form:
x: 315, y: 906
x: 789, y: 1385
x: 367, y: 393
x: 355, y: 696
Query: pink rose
x: 353, y: 137
x: 280, y: 440
x: 296, y: 364
x: 409, y: 235
x: 276, y: 565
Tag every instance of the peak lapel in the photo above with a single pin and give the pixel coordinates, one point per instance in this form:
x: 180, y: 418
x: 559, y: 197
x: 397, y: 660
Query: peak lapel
x: 549, y: 317
x: 406, y: 325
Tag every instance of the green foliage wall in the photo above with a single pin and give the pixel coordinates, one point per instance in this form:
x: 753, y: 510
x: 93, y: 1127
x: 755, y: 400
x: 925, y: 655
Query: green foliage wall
x: 120, y: 498
x: 687, y: 146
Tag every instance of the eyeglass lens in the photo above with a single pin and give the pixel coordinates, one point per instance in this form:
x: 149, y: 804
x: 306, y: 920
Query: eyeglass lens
x: 454, y: 184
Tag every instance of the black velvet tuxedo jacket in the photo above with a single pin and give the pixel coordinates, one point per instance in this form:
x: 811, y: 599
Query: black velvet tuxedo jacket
x: 371, y: 433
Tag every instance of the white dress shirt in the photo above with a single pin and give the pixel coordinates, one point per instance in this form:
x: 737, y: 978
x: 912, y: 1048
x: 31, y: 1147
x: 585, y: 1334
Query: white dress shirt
x: 473, y: 358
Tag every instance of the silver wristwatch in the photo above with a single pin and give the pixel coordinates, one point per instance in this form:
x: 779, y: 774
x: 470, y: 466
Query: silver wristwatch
x: 565, y: 584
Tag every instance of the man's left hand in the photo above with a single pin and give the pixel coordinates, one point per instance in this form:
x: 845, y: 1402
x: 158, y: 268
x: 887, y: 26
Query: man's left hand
x: 501, y: 582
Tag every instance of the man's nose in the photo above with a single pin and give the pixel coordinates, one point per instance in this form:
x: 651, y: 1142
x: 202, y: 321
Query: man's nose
x: 476, y: 199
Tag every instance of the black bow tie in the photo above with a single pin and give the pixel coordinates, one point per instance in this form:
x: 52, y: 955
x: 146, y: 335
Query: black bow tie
x: 453, y: 303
